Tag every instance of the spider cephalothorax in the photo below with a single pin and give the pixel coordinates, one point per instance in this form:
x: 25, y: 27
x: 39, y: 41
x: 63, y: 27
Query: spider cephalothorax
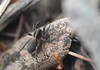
x: 56, y: 36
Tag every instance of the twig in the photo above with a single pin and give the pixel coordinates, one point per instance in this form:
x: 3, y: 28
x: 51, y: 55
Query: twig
x: 3, y: 6
x: 18, y: 31
x: 8, y: 34
x: 28, y: 28
x: 27, y: 25
x: 79, y: 56
x: 14, y: 10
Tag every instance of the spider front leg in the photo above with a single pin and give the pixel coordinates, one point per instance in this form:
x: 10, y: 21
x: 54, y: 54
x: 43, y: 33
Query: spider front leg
x: 58, y: 59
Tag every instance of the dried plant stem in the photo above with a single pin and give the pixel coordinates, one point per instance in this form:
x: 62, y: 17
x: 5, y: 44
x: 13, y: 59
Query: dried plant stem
x: 3, y: 6
x: 79, y: 56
